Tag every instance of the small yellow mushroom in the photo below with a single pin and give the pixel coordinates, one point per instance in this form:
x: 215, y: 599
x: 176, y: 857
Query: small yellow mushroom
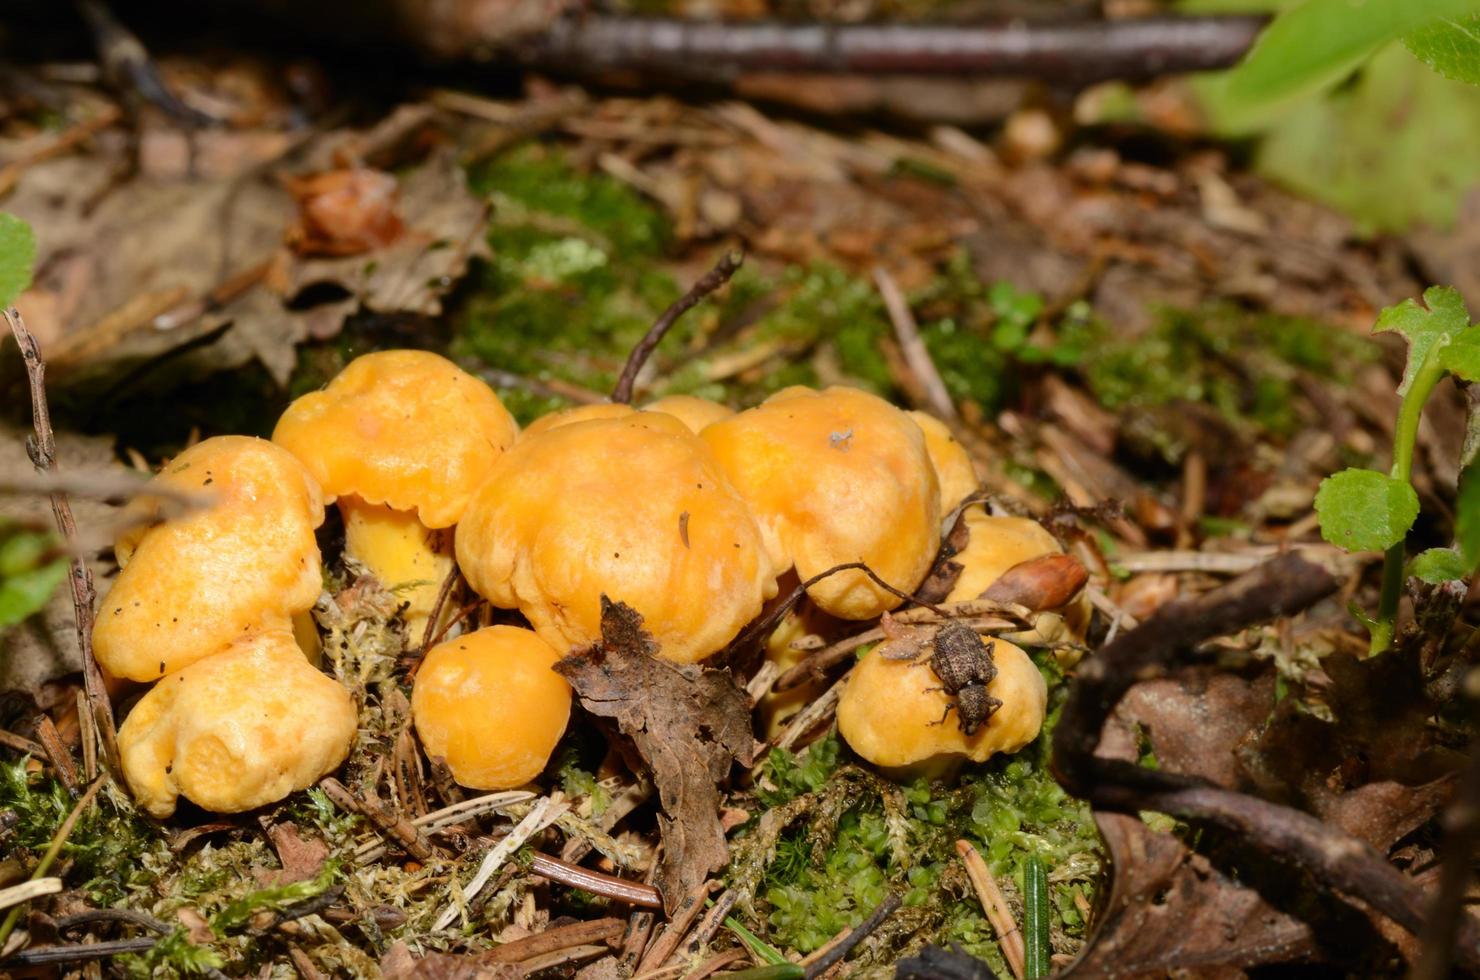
x: 237, y: 730
x: 834, y: 477
x: 997, y: 544
x: 196, y: 583
x: 402, y: 439
x: 694, y: 412
x: 953, y: 466
x: 578, y: 413
x: 489, y: 705
x: 894, y: 714
x: 635, y: 508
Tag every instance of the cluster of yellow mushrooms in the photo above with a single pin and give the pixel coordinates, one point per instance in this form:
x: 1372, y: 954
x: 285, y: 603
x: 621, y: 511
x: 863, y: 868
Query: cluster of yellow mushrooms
x: 693, y: 515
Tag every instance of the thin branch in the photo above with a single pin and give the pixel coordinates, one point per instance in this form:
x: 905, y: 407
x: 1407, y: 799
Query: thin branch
x: 840, y: 952
x: 1461, y: 825
x: 1065, y: 52
x: 1342, y: 864
x: 727, y: 266
x: 43, y: 452
x: 555, y: 939
x: 994, y: 904
x: 610, y: 886
x: 912, y: 346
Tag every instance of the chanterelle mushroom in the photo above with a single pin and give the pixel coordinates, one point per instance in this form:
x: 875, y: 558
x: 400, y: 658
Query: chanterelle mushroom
x: 953, y: 467
x: 194, y: 584
x: 694, y: 412
x: 490, y: 706
x: 579, y: 413
x: 402, y: 438
x: 634, y: 508
x: 237, y: 730
x: 899, y: 715
x: 837, y: 476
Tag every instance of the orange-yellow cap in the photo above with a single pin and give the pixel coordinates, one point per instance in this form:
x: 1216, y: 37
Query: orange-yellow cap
x: 238, y: 730
x: 195, y: 583
x: 489, y: 705
x: 404, y: 428
x: 837, y: 476
x: 634, y: 508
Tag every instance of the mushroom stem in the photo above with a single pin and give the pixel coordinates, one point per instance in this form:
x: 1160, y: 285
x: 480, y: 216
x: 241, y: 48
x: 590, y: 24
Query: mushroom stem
x: 406, y: 556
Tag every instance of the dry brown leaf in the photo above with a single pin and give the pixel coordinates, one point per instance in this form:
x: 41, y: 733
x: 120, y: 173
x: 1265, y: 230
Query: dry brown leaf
x: 689, y: 724
x: 45, y: 646
x: 399, y: 964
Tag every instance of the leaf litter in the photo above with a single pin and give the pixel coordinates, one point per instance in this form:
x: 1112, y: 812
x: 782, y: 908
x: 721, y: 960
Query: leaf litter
x: 588, y: 234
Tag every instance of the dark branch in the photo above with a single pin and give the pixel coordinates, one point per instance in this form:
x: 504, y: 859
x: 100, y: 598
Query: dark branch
x: 1075, y: 52
x: 1461, y: 823
x: 728, y: 264
x: 1339, y: 862
x: 865, y: 928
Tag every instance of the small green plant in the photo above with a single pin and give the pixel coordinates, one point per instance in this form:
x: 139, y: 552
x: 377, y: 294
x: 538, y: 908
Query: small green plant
x: 1365, y: 510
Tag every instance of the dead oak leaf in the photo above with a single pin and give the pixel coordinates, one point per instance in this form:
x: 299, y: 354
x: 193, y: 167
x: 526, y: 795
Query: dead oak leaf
x: 689, y: 724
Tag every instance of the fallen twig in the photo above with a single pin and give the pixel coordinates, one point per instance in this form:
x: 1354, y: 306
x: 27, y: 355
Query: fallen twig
x: 403, y: 831
x: 912, y: 346
x: 57, y: 752
x: 544, y: 813
x: 865, y: 928
x: 24, y: 892
x: 43, y: 452
x: 1342, y: 864
x: 683, y: 918
x: 558, y: 938
x: 609, y: 886
x: 726, y: 267
x: 1461, y: 824
x: 994, y: 903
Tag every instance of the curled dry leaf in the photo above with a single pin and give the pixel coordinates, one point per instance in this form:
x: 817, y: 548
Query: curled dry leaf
x: 689, y: 724
x: 344, y: 212
x: 1047, y: 582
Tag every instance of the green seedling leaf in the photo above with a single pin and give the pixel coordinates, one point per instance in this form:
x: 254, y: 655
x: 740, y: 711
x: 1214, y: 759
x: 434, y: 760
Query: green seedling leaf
x: 1450, y: 46
x: 30, y: 570
x: 17, y: 257
x: 1444, y: 320
x: 1438, y: 565
x: 1321, y: 41
x: 1363, y: 510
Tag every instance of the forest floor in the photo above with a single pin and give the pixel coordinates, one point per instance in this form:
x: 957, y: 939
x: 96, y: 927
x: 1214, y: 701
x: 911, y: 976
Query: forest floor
x: 1141, y: 342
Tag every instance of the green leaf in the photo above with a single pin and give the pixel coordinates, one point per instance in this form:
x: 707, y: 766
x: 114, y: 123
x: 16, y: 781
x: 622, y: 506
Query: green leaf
x: 17, y: 257
x: 30, y: 570
x: 1438, y: 565
x: 1450, y: 46
x: 1320, y: 42
x: 1438, y: 325
x: 1392, y: 148
x: 1363, y: 510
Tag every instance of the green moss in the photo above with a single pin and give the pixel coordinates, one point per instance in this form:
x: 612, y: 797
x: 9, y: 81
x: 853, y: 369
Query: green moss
x: 1009, y: 808
x: 111, y: 850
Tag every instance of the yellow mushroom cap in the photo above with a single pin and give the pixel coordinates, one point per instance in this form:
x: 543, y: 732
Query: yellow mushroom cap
x: 404, y: 428
x: 995, y: 545
x: 578, y: 413
x: 953, y: 467
x: 489, y: 705
x: 837, y: 476
x: 889, y: 710
x: 194, y: 584
x: 634, y: 508
x: 237, y: 730
x: 694, y: 412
